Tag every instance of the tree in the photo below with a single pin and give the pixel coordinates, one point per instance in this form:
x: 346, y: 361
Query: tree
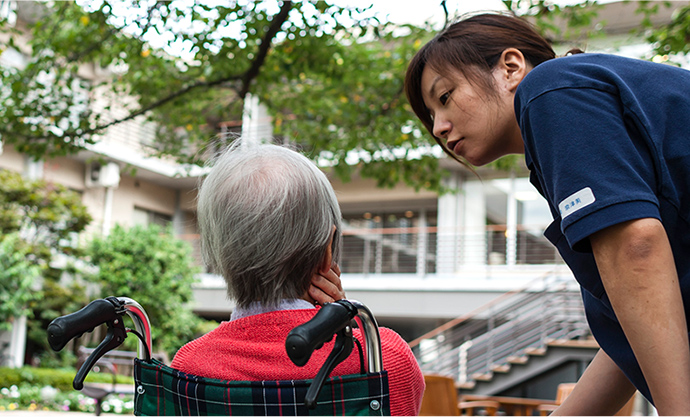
x: 309, y: 48
x: 330, y: 75
x: 671, y: 39
x: 38, y: 223
x: 17, y: 280
x: 157, y: 270
x: 46, y: 215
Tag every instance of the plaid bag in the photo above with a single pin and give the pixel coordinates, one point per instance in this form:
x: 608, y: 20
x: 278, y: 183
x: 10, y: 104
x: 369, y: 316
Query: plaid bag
x: 161, y: 390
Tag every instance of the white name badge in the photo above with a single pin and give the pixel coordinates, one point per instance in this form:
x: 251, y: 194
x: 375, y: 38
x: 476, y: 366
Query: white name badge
x: 575, y: 202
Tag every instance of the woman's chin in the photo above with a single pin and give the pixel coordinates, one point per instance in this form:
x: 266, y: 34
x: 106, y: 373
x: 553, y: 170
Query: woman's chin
x: 477, y: 160
x: 480, y: 159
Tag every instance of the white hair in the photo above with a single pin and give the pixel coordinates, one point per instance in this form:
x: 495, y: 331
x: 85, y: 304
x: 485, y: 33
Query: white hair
x: 266, y: 215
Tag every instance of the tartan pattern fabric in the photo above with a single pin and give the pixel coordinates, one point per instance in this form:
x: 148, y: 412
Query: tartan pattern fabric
x: 161, y: 390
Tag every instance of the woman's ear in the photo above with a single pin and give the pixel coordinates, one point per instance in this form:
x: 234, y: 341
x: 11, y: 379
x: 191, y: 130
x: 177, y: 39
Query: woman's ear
x: 512, y: 67
x: 327, y: 260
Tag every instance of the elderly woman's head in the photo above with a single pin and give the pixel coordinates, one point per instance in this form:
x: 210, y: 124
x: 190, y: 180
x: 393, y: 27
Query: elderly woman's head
x: 269, y: 219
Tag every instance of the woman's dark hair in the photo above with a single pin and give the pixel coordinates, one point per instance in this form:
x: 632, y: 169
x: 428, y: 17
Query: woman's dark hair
x: 472, y: 46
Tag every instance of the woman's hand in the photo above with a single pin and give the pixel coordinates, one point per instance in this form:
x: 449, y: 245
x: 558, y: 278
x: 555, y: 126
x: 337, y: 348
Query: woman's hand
x: 327, y: 288
x: 602, y: 390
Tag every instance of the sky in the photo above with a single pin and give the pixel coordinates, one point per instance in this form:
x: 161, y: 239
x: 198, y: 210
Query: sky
x: 418, y: 12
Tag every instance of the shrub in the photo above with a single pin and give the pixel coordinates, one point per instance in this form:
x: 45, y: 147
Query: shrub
x: 156, y: 269
x: 60, y: 379
x: 51, y: 389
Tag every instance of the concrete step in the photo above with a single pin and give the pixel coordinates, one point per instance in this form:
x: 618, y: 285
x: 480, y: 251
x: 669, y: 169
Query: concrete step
x: 518, y: 360
x: 483, y: 377
x: 536, y: 351
x: 501, y: 368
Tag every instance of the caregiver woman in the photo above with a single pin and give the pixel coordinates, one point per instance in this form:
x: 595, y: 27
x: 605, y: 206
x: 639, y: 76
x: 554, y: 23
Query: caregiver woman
x: 607, y: 141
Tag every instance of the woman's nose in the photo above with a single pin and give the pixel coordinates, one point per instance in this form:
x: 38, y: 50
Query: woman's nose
x: 441, y: 128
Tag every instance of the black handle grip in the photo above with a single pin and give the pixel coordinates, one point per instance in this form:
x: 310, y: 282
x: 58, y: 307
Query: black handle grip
x: 305, y: 338
x: 65, y: 328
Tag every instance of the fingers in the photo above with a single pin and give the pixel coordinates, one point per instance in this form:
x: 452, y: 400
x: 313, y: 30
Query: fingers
x: 327, y: 288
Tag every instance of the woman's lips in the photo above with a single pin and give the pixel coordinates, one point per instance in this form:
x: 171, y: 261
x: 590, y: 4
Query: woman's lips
x: 455, y: 145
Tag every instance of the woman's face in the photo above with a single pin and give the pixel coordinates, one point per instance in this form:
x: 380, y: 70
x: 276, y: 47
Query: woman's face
x: 476, y: 125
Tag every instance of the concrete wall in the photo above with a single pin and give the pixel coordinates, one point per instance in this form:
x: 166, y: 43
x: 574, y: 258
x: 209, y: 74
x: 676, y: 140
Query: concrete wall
x: 11, y: 159
x: 360, y: 195
x: 65, y: 171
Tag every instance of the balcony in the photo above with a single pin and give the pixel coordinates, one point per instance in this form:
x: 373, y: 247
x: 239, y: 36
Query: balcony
x: 392, y: 269
x: 415, y: 250
x: 426, y: 251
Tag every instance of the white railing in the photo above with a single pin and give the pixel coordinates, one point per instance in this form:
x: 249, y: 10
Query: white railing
x: 424, y: 251
x: 428, y: 250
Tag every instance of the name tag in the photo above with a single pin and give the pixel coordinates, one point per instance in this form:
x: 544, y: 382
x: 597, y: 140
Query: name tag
x: 575, y: 202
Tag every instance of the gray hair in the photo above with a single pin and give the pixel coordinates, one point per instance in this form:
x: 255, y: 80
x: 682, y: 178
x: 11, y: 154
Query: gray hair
x: 266, y: 215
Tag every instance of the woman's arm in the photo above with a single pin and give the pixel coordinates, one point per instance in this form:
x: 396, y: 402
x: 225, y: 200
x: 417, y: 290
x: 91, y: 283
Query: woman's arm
x: 601, y: 391
x: 637, y: 269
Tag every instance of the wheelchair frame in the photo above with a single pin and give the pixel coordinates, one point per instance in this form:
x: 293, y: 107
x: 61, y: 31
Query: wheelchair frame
x: 332, y: 319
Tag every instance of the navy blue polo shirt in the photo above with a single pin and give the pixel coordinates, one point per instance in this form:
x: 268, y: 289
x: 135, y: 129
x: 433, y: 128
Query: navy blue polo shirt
x: 607, y: 140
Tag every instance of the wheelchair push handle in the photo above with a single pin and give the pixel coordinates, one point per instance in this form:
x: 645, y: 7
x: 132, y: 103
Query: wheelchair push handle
x: 332, y: 318
x: 65, y: 328
x: 109, y: 311
x: 303, y: 340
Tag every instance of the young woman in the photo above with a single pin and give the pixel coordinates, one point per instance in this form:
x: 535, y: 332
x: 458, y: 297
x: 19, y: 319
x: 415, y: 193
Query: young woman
x: 607, y: 143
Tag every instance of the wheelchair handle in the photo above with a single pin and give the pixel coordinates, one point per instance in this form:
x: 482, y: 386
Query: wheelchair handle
x: 331, y: 318
x: 367, y: 323
x: 65, y: 328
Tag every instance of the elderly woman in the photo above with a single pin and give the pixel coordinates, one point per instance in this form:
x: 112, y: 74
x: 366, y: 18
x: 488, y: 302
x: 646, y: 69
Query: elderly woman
x: 269, y: 222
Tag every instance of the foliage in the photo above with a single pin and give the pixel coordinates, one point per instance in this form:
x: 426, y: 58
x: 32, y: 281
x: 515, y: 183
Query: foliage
x: 157, y: 270
x: 46, y: 215
x: 350, y: 110
x: 331, y: 77
x: 57, y: 298
x: 58, y: 378
x: 672, y: 38
x: 308, y: 61
x: 17, y: 277
x: 559, y: 23
x: 40, y: 389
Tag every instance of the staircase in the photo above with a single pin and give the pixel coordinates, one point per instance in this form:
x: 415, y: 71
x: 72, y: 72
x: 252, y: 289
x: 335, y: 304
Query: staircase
x: 516, y: 337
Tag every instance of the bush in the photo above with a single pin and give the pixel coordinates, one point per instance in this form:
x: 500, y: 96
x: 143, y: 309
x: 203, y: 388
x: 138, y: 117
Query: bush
x: 60, y: 379
x: 156, y: 269
x: 17, y: 277
x: 51, y: 389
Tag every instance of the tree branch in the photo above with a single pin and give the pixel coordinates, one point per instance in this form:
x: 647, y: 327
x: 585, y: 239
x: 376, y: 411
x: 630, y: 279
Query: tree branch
x: 265, y: 46
x: 113, y: 30
x: 245, y: 79
x: 161, y: 102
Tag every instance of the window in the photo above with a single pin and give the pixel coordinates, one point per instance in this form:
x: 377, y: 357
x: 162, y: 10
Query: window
x: 145, y: 217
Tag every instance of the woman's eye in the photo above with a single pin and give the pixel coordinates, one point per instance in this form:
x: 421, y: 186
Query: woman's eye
x: 444, y: 97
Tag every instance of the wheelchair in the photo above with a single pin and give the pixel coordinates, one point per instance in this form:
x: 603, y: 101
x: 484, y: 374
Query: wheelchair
x: 162, y: 390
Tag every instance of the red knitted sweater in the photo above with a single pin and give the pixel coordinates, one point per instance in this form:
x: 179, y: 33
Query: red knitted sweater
x: 253, y: 349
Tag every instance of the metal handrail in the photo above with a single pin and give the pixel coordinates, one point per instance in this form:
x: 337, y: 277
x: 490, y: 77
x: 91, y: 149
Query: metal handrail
x: 549, y: 308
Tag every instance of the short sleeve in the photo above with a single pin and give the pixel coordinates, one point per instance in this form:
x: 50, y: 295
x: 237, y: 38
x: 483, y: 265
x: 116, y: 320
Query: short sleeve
x: 596, y: 169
